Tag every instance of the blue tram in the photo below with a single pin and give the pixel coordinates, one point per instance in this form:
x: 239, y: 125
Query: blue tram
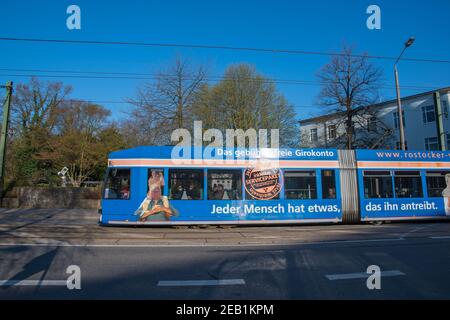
x: 176, y: 186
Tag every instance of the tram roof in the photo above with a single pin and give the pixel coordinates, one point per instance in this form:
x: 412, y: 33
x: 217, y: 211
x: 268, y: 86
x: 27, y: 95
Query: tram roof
x: 165, y: 152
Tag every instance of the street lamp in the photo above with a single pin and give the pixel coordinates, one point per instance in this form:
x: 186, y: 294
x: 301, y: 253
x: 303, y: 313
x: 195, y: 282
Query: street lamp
x: 399, y: 102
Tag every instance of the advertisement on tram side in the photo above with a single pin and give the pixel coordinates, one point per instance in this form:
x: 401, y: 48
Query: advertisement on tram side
x: 398, y: 184
x: 175, y: 194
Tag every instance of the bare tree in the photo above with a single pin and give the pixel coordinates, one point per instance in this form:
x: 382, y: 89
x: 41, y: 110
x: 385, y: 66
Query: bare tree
x: 244, y: 99
x: 164, y: 105
x: 349, y: 82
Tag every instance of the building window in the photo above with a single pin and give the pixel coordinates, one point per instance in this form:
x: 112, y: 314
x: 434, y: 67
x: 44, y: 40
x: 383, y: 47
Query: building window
x: 428, y: 114
x: 448, y: 141
x: 300, y: 185
x: 328, y: 184
x: 408, y: 184
x: 185, y: 184
x: 436, y: 183
x: 313, y: 135
x: 117, y: 184
x: 399, y: 147
x: 332, y: 131
x: 431, y: 143
x: 445, y: 109
x: 224, y: 184
x: 377, y: 184
x: 396, y: 123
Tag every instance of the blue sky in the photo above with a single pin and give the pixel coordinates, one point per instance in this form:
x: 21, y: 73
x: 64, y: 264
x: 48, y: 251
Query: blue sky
x: 296, y: 25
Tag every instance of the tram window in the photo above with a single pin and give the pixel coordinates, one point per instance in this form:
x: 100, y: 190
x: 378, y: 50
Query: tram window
x: 328, y: 184
x: 436, y: 183
x: 377, y: 184
x: 408, y: 184
x: 155, y: 176
x: 185, y: 184
x: 300, y: 185
x: 224, y: 184
x: 117, y: 184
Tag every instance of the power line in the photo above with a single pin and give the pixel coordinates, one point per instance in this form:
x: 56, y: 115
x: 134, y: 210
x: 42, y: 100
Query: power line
x: 215, y: 47
x: 146, y: 76
x: 131, y: 103
x: 94, y: 101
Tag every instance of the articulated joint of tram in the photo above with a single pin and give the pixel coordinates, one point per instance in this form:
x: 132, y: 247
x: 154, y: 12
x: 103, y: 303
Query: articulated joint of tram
x: 349, y: 186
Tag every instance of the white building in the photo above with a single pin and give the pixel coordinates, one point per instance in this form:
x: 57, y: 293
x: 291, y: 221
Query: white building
x: 376, y: 126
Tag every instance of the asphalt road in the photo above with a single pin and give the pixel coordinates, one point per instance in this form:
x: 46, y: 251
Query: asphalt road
x: 288, y: 262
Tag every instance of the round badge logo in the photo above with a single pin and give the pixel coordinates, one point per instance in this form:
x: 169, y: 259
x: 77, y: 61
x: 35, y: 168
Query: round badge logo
x: 263, y: 184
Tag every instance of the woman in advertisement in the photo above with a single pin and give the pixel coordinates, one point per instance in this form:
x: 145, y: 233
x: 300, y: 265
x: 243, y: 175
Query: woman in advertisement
x: 155, y: 206
x: 446, y: 195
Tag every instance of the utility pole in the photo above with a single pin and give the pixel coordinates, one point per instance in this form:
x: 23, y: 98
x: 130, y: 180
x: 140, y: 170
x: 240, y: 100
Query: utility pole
x: 439, y: 121
x: 4, y: 133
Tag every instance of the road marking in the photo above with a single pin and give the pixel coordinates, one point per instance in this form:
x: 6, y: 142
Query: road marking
x: 362, y: 275
x: 441, y: 237
x: 255, y: 244
x: 33, y: 283
x: 359, y: 241
x: 191, y: 283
